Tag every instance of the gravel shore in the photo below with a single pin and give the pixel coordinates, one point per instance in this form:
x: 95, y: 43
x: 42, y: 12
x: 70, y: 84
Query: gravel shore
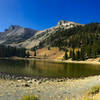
x: 46, y: 89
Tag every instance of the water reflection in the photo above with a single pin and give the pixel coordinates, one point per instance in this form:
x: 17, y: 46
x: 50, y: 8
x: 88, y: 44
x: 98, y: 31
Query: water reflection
x: 48, y: 69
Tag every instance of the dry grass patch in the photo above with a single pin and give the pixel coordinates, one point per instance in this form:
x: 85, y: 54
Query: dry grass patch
x: 30, y: 97
x: 94, y: 90
x: 93, y: 93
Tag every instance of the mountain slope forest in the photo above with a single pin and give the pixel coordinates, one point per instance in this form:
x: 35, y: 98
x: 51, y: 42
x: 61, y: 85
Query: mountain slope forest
x: 86, y: 38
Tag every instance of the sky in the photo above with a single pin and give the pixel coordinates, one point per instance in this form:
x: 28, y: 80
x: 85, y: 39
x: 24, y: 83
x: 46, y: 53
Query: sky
x: 43, y: 14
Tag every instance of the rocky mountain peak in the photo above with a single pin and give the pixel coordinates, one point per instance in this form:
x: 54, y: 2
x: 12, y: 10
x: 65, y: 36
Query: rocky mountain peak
x: 12, y: 27
x: 67, y: 24
x: 61, y: 22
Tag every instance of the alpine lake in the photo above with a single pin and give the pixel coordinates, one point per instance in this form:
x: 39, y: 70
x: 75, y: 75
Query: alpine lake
x: 38, y: 68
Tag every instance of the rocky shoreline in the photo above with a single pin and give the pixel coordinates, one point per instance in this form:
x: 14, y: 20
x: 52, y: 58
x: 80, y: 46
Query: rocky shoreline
x: 11, y: 76
x: 13, y: 87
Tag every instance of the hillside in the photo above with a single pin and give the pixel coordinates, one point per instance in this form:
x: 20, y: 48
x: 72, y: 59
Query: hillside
x: 86, y: 38
x: 45, y: 53
x: 42, y: 36
x: 74, y: 37
x: 14, y: 35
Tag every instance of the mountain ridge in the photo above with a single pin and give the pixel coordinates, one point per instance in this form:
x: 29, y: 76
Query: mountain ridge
x: 42, y: 35
x: 15, y: 33
x: 18, y: 36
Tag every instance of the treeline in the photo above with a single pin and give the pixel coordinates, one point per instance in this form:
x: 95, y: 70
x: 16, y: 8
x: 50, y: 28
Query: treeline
x: 82, y: 53
x: 8, y: 51
x: 75, y: 55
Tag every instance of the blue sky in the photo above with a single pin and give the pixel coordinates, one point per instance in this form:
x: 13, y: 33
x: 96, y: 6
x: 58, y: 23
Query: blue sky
x: 42, y: 14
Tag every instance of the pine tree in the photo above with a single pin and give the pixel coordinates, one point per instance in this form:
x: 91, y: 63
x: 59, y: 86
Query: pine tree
x: 82, y: 54
x: 78, y: 55
x: 94, y: 53
x: 66, y: 56
x: 73, y: 55
x: 35, y: 53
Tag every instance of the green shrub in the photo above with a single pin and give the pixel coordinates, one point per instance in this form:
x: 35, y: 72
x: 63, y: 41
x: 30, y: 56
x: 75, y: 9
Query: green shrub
x: 94, y: 90
x: 30, y: 97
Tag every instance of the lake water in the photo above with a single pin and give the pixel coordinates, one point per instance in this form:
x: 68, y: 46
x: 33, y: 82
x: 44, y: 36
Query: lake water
x: 48, y: 69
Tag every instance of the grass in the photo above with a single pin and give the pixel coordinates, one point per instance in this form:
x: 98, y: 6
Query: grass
x: 93, y: 93
x: 30, y: 97
x: 94, y: 90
